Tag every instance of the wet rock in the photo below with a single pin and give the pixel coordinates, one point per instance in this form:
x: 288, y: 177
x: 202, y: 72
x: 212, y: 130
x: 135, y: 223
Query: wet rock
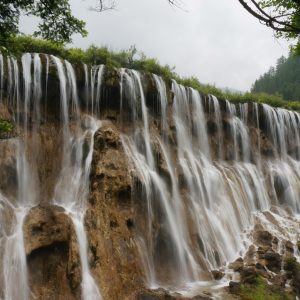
x: 107, y: 136
x: 263, y: 238
x: 273, y: 261
x: 8, y: 172
x: 234, y: 287
x: 261, y: 270
x: 250, y: 256
x: 279, y: 281
x: 217, y: 275
x: 280, y: 184
x: 144, y: 296
x: 54, y: 269
x: 237, y: 265
x: 248, y: 275
x: 45, y: 225
x: 261, y: 251
x: 289, y: 247
x: 292, y: 268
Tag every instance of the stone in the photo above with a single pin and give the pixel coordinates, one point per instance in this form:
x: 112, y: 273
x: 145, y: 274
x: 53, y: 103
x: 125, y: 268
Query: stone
x: 45, y: 225
x: 248, y: 275
x: 217, y: 275
x: 234, y: 287
x: 237, y: 265
x: 273, y: 261
x: 263, y: 238
x: 289, y: 247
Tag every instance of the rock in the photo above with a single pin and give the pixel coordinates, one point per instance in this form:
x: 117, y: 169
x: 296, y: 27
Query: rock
x: 144, y: 296
x: 8, y: 171
x: 107, y: 136
x: 289, y: 247
x: 273, y: 261
x: 234, y: 287
x: 54, y: 269
x: 237, y: 265
x: 218, y: 275
x: 280, y: 184
x: 292, y: 268
x: 263, y: 238
x: 248, y: 275
x: 279, y: 280
x: 45, y: 225
x: 261, y: 251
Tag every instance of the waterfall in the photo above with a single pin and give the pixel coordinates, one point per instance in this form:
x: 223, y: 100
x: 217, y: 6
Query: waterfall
x: 72, y: 185
x: 93, y: 93
x: 204, y: 170
x: 205, y: 225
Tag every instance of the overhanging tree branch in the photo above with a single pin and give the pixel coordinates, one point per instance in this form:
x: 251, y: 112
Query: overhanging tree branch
x: 280, y: 23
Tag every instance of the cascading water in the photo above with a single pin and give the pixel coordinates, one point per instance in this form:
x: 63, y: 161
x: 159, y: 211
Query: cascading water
x: 205, y: 226
x: 72, y: 185
x: 205, y: 171
x: 71, y: 188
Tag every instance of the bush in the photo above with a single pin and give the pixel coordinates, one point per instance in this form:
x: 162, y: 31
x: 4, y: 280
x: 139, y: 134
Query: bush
x: 133, y: 59
x: 6, y: 126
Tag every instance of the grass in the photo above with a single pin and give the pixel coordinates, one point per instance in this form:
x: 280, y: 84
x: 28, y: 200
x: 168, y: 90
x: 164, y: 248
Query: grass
x: 260, y: 290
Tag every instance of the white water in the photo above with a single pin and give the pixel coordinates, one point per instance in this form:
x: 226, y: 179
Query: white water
x: 72, y: 186
x: 199, y: 208
x: 207, y: 211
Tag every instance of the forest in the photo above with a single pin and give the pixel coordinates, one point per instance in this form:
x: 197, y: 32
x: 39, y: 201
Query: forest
x: 281, y: 80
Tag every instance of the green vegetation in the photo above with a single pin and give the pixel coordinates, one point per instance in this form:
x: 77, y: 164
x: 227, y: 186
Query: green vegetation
x: 283, y: 16
x: 6, y: 126
x: 133, y: 59
x: 282, y: 80
x: 56, y: 20
x: 260, y: 290
x: 291, y: 264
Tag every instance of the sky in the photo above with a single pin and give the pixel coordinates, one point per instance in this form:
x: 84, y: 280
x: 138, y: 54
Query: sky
x: 215, y: 40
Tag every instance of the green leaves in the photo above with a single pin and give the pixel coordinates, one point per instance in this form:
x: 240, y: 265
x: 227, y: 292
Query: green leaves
x: 281, y: 80
x: 6, y: 126
x: 57, y: 22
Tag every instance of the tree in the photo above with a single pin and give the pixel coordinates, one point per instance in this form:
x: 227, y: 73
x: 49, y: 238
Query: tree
x: 281, y: 15
x: 281, y: 80
x: 57, y: 22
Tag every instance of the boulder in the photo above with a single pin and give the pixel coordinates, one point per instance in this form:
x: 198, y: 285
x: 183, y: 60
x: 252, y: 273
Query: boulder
x: 44, y: 226
x: 237, y: 265
x: 273, y: 261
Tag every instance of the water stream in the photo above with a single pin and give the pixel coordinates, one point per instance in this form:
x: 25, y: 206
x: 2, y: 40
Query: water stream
x: 204, y: 181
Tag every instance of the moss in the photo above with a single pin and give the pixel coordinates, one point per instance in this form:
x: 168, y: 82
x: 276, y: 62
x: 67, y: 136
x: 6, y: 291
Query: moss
x: 291, y: 264
x: 6, y: 126
x: 292, y: 268
x: 260, y: 290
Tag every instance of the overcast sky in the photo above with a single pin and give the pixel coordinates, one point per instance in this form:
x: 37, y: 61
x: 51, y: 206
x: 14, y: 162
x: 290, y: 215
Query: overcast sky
x: 214, y: 40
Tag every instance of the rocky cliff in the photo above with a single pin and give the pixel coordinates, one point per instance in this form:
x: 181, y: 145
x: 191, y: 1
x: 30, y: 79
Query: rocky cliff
x: 118, y: 185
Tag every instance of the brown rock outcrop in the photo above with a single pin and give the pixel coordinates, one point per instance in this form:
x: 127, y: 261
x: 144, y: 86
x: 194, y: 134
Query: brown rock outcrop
x: 52, y: 254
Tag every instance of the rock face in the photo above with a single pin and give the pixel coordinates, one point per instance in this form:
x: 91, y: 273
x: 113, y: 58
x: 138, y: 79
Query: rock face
x: 122, y: 226
x: 268, y: 268
x: 52, y: 254
x: 111, y: 218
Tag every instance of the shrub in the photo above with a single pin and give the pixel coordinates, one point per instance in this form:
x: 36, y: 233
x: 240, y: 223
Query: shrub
x: 133, y: 59
x: 6, y: 126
